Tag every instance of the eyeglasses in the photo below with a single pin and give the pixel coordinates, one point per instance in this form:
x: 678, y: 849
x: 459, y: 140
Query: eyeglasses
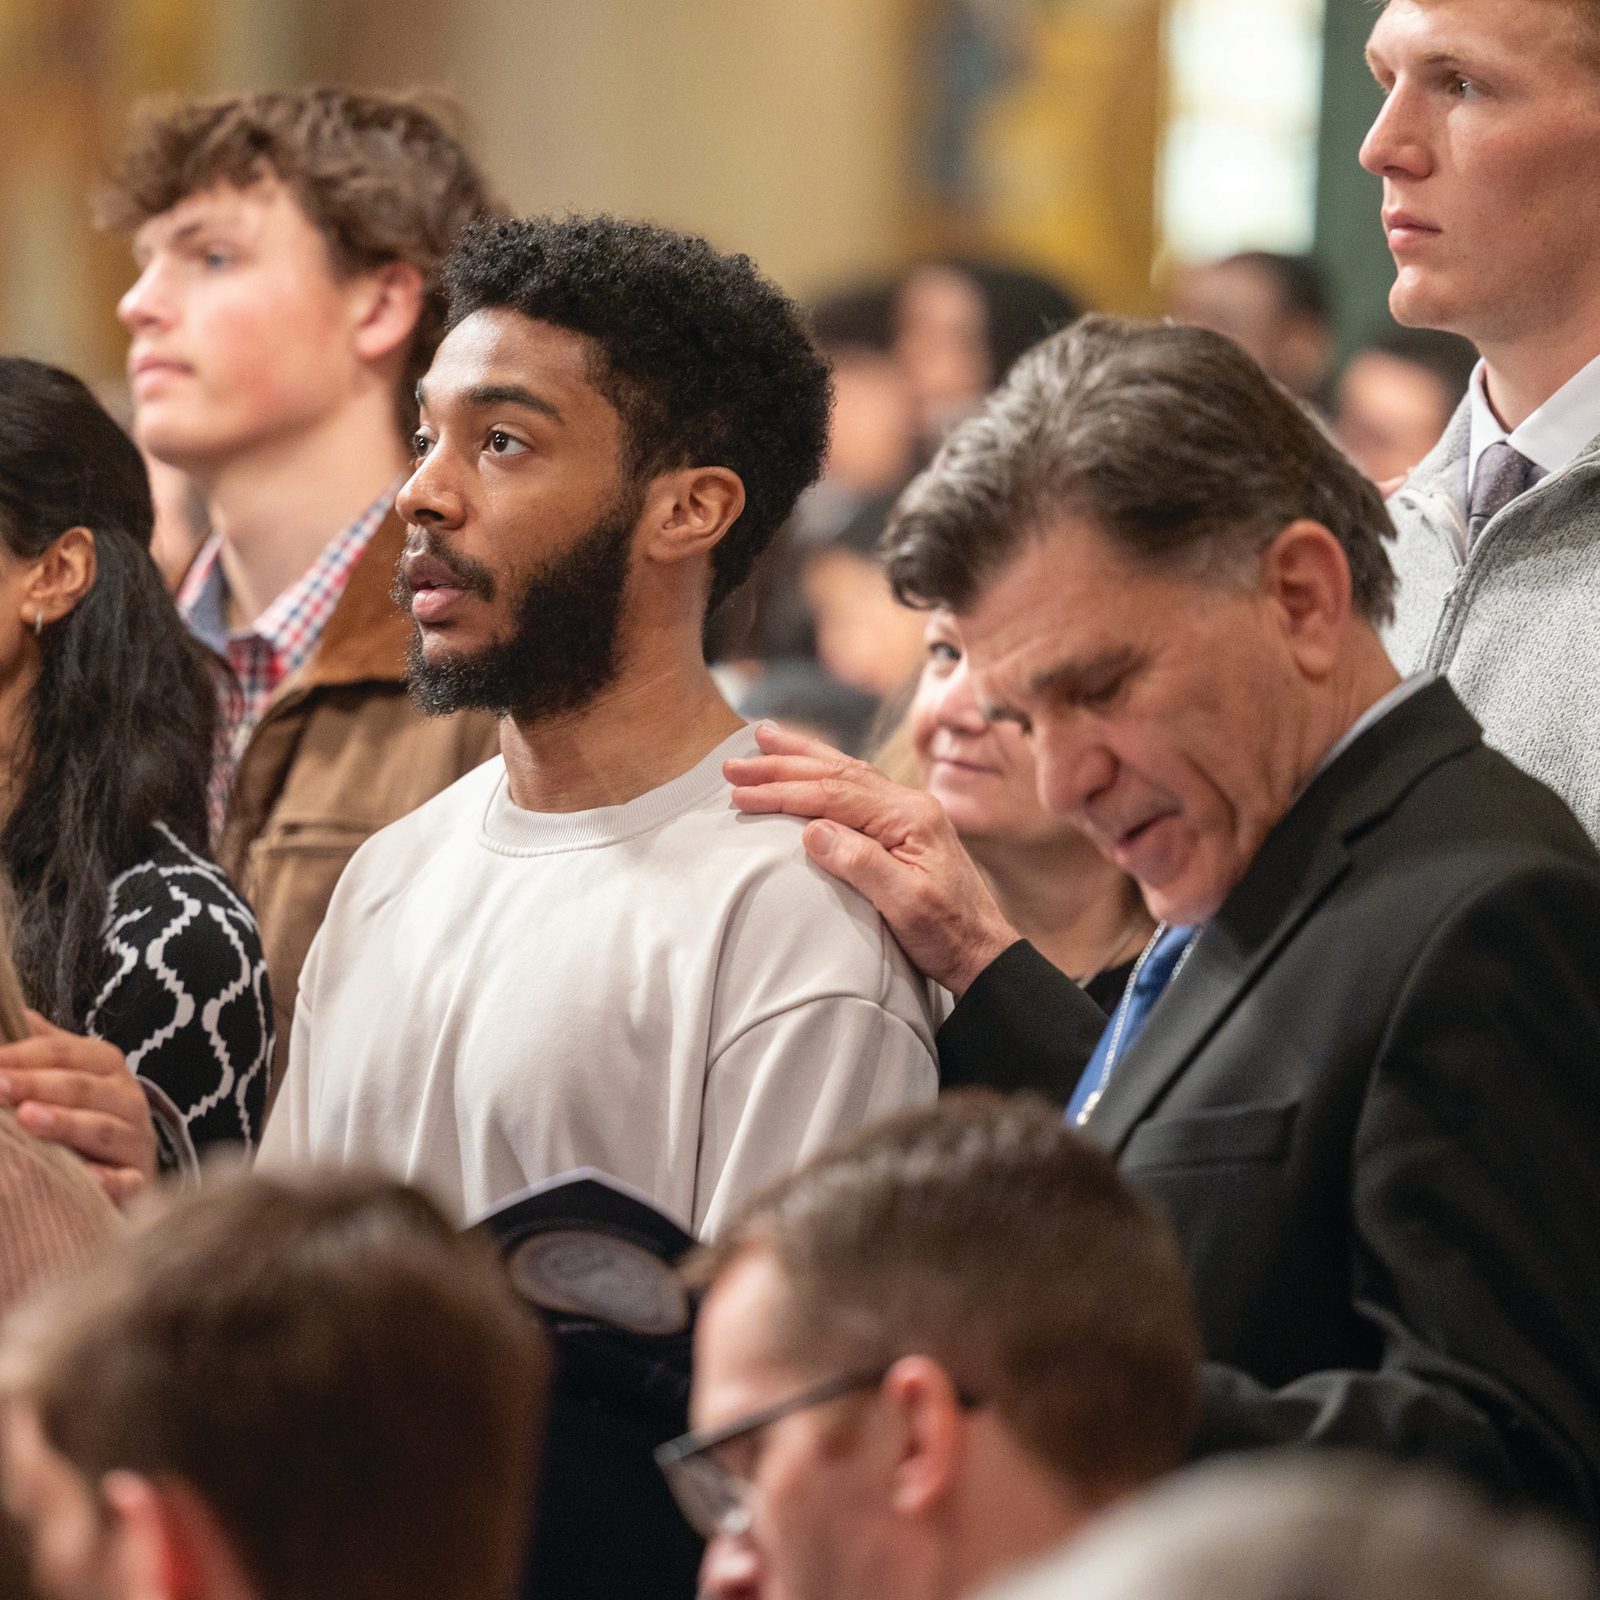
x: 710, y: 1496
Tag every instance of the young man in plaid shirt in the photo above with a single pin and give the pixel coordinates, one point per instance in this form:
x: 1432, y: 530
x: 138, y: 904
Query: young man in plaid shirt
x: 285, y: 305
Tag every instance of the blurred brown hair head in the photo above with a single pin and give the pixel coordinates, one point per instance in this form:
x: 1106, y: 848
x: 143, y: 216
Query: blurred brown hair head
x: 982, y: 1233
x: 382, y: 177
x: 343, y: 1379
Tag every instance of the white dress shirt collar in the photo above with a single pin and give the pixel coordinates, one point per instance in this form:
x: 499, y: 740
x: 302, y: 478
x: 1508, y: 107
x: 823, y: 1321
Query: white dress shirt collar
x: 1553, y: 435
x: 1374, y: 713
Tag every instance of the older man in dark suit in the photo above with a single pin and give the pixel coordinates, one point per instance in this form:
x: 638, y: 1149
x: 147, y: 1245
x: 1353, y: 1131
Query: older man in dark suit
x: 1370, y: 1095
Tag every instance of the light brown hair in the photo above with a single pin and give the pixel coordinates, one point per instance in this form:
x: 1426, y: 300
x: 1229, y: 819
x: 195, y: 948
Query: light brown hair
x: 343, y: 1379
x: 982, y: 1233
x: 382, y: 178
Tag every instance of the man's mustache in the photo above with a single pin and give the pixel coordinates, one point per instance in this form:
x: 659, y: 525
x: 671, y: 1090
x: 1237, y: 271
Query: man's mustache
x: 427, y: 564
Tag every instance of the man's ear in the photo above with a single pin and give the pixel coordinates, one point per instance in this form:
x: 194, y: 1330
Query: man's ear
x: 929, y: 1415
x: 168, y: 1544
x: 386, y: 304
x: 688, y: 512
x: 59, y: 579
x: 1305, y: 577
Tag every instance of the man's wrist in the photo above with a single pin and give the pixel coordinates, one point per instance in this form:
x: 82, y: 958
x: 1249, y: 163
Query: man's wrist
x: 979, y: 955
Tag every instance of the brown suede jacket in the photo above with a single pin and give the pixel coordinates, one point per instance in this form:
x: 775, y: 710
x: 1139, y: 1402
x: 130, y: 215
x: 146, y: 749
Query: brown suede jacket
x: 340, y: 753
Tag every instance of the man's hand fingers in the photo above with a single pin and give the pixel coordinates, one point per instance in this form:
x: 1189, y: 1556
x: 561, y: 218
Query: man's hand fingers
x: 745, y: 772
x: 98, y: 1135
x: 934, y: 903
x: 787, y: 766
x: 880, y: 815
x: 777, y: 740
x: 797, y: 797
x: 787, y: 755
x: 893, y: 845
x: 866, y: 866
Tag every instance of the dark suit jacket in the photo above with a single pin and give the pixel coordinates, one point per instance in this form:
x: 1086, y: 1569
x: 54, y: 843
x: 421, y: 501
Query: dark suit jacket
x: 1370, y: 1104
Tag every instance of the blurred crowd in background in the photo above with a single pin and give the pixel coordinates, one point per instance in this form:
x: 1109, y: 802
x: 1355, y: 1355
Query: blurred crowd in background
x: 818, y: 639
x: 795, y: 1216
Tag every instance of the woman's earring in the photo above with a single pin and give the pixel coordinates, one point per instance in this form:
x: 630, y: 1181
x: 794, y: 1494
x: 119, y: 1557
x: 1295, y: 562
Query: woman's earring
x: 38, y: 624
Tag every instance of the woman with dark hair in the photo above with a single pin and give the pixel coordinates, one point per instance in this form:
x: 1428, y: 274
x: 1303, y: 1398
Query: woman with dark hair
x: 125, y: 931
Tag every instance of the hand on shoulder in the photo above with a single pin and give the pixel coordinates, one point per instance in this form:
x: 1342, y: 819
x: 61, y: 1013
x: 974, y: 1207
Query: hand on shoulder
x: 894, y: 845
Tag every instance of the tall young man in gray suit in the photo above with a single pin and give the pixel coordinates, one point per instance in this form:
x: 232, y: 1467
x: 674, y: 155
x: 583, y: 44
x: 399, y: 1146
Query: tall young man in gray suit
x: 1368, y: 1099
x: 1488, y: 144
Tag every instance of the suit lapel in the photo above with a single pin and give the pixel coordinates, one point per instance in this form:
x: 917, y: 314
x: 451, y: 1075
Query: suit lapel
x: 1299, y: 865
x: 1291, y: 874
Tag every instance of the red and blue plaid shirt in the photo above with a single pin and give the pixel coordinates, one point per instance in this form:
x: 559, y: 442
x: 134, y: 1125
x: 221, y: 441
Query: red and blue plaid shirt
x: 277, y: 644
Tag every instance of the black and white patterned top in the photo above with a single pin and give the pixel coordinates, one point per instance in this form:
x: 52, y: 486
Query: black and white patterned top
x: 186, y: 998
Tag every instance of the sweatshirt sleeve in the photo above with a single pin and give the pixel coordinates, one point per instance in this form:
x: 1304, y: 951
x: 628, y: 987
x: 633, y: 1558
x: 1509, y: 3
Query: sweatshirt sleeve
x: 795, y: 1082
x: 287, y: 1140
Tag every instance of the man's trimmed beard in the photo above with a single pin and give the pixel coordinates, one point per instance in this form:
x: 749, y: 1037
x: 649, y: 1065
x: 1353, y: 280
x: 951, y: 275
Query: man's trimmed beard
x: 562, y: 651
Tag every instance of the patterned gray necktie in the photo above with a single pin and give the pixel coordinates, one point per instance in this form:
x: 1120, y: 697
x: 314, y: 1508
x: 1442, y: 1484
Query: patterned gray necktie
x: 1503, y: 474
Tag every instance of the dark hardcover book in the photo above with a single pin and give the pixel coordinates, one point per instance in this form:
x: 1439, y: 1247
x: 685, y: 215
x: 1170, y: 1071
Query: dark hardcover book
x: 584, y: 1245
x: 598, y: 1262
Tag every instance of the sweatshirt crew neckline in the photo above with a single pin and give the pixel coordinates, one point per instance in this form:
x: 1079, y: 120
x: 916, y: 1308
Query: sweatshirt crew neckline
x: 510, y: 830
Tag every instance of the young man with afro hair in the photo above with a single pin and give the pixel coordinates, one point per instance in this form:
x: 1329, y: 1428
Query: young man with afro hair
x: 580, y: 955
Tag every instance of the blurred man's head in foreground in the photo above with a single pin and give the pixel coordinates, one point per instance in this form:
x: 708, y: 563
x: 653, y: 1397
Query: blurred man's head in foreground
x: 276, y: 1391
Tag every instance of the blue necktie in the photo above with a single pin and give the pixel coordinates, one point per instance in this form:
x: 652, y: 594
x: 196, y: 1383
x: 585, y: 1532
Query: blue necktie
x: 1150, y: 977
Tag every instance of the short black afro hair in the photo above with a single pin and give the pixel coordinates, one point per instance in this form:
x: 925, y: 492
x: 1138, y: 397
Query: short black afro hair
x: 706, y: 362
